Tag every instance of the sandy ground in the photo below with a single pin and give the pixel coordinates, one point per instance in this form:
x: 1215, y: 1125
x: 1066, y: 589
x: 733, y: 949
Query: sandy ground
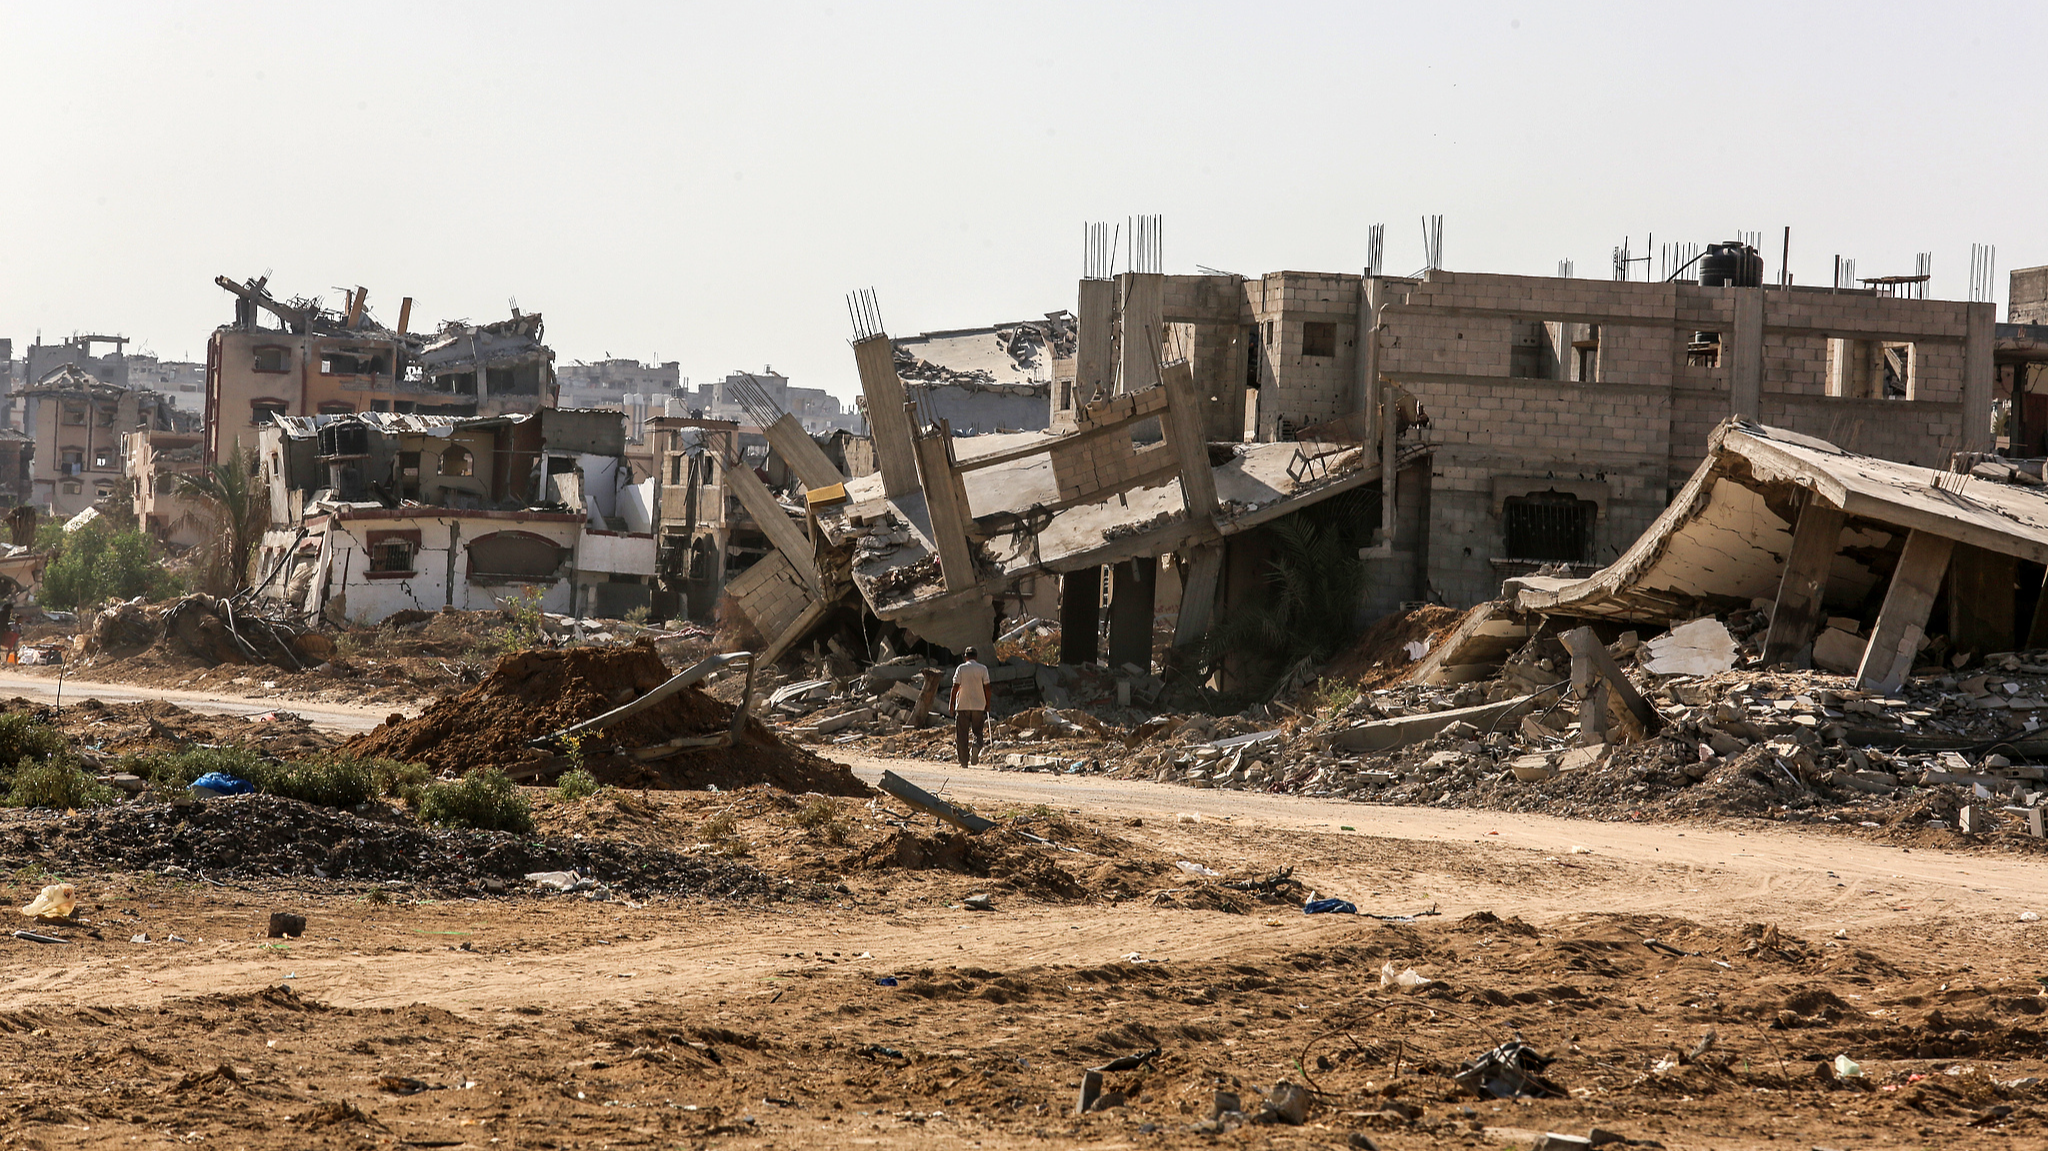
x: 417, y: 1016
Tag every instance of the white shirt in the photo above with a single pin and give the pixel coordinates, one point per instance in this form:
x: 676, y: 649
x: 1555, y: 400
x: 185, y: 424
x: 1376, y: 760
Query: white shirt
x: 971, y: 683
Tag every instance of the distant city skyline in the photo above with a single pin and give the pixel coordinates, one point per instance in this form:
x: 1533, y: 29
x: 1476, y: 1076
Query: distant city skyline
x: 709, y: 181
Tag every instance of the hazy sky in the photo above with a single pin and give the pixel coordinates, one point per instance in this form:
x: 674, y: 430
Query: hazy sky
x: 704, y: 183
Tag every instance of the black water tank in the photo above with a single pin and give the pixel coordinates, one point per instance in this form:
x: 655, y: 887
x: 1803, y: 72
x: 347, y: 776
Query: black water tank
x: 1731, y: 263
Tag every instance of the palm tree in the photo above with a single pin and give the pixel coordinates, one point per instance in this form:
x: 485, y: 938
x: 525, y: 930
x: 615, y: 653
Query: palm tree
x: 240, y: 510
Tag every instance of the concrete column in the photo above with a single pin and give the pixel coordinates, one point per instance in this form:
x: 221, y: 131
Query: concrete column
x: 1094, y: 368
x: 888, y: 423
x: 1797, y: 614
x: 1746, y: 356
x: 1203, y: 573
x: 1977, y: 370
x: 1132, y: 585
x: 1902, y: 622
x: 1080, y: 615
x: 796, y: 448
x: 945, y: 497
x: 1982, y: 585
x: 1186, y: 435
x: 1143, y: 326
x: 1367, y: 396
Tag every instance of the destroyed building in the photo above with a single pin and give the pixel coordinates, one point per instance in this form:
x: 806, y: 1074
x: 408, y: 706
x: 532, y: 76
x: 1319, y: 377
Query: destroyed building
x: 641, y: 391
x: 153, y: 460
x: 374, y: 513
x: 181, y: 382
x: 2020, y: 351
x: 817, y: 410
x: 298, y: 358
x: 75, y: 424
x: 1504, y: 425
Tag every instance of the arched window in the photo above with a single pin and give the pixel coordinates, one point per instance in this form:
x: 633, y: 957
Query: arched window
x: 456, y: 461
x: 513, y: 556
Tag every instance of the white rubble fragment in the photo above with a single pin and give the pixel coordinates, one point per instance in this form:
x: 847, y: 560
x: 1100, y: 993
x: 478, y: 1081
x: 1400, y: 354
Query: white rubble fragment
x: 1700, y: 647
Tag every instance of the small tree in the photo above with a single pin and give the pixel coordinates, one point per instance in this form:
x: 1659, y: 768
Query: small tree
x: 239, y: 509
x: 101, y: 562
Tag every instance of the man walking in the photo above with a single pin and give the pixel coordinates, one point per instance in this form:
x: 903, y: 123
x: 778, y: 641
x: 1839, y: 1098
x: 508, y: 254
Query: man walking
x: 969, y: 702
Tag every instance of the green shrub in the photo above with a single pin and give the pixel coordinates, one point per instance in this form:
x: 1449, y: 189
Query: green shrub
x: 483, y: 799
x: 408, y: 782
x: 338, y: 782
x: 24, y: 738
x: 175, y: 771
x: 102, y: 562
x: 575, y: 784
x: 56, y: 783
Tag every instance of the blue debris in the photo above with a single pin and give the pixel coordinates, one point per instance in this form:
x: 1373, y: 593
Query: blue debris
x: 1330, y: 904
x: 224, y: 784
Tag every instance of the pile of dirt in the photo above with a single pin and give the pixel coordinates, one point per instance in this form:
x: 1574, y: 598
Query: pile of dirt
x: 1380, y: 657
x: 260, y: 836
x: 534, y: 693
x: 204, y: 628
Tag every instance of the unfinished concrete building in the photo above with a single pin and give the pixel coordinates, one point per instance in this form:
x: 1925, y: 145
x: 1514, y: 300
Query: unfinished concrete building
x: 314, y: 361
x: 373, y: 513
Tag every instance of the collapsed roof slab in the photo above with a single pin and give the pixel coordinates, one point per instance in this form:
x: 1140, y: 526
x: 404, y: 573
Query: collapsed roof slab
x: 1728, y: 540
x: 1724, y: 539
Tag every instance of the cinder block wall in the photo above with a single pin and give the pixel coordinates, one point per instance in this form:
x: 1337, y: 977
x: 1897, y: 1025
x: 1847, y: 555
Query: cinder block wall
x: 2027, y: 296
x: 1640, y: 427
x: 1298, y: 388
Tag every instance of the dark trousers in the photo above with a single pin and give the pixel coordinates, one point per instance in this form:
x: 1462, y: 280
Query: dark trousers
x: 964, y: 725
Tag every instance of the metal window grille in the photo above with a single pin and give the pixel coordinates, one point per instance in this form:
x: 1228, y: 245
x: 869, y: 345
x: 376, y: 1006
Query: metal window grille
x: 1549, y: 526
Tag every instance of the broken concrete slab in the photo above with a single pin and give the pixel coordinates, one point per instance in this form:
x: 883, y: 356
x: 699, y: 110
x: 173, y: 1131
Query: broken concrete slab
x: 1699, y: 647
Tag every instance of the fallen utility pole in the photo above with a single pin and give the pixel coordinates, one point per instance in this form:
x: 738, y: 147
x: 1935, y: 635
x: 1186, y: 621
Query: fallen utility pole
x: 924, y: 801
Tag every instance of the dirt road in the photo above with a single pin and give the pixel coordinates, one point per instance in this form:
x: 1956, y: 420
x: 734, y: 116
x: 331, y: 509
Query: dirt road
x: 1815, y: 880
x: 338, y: 717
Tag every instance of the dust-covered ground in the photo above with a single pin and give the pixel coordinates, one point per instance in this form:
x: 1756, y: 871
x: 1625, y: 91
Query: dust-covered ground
x: 767, y: 970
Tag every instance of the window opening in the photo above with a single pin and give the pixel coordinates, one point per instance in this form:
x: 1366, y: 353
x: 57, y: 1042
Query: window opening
x: 1555, y: 526
x: 1318, y: 338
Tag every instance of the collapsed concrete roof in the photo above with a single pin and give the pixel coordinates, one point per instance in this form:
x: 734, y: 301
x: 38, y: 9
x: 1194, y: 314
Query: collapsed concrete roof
x: 1774, y: 516
x: 1013, y: 358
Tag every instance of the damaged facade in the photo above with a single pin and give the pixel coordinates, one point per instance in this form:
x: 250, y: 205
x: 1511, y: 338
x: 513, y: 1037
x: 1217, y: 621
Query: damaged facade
x: 75, y: 425
x: 296, y: 358
x: 375, y: 513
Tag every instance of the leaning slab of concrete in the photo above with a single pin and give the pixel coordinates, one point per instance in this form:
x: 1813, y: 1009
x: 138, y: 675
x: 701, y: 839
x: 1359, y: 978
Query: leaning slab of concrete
x: 1727, y: 537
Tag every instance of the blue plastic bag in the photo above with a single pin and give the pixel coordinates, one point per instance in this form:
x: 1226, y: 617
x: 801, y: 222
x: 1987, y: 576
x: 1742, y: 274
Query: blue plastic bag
x: 222, y: 782
x: 1330, y: 904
